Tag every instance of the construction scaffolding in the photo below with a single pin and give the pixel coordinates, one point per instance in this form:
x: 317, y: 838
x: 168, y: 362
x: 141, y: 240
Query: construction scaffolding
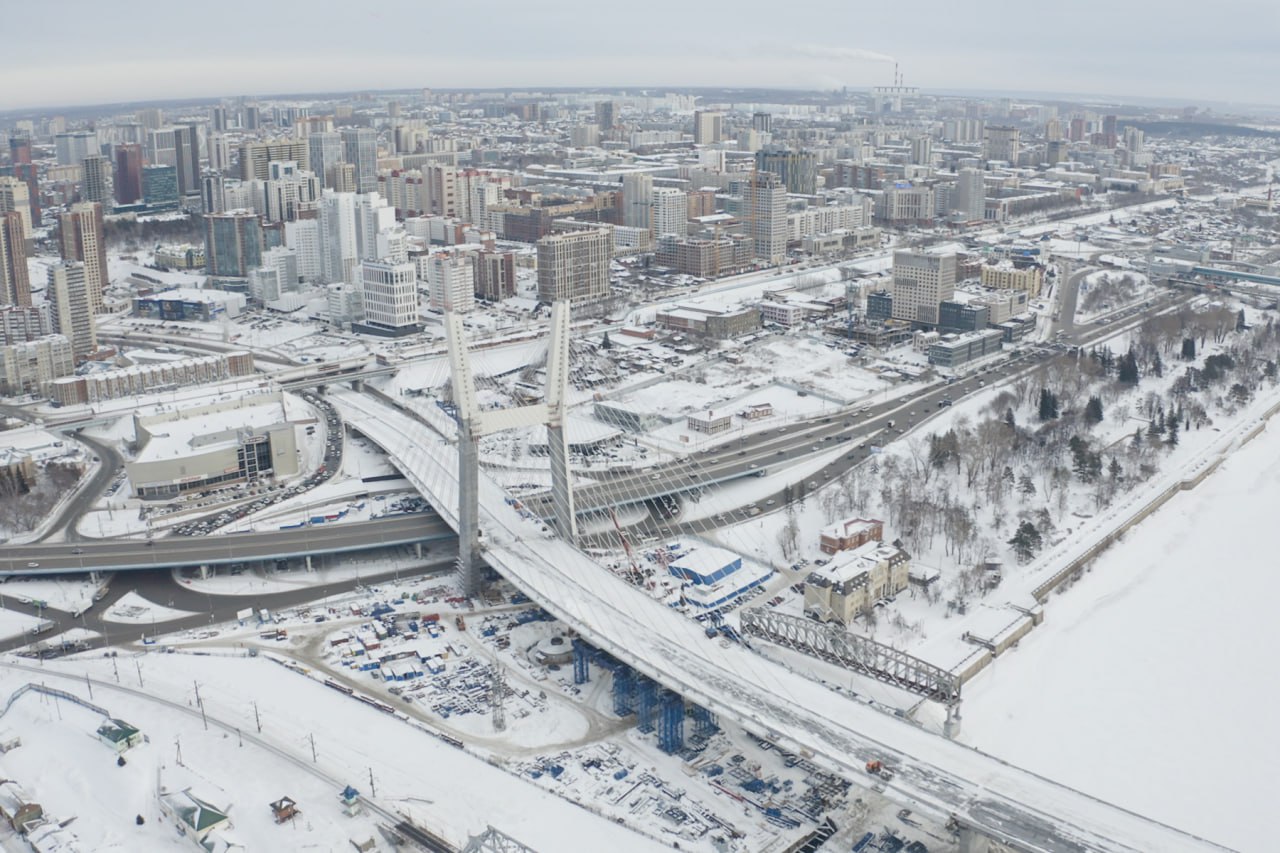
x: 624, y: 691
x: 671, y: 723
x: 581, y: 662
x: 646, y: 703
x: 704, y: 722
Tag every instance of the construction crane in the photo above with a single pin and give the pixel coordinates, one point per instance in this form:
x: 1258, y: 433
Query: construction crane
x: 637, y: 574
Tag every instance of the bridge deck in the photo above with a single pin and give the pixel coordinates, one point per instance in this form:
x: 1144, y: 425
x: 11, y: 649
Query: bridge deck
x: 1001, y: 801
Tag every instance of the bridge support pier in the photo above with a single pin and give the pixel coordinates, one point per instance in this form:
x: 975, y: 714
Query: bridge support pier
x: 951, y: 727
x: 646, y: 703
x: 671, y: 723
x: 308, y: 562
x: 581, y: 666
x: 623, y: 691
x: 205, y: 572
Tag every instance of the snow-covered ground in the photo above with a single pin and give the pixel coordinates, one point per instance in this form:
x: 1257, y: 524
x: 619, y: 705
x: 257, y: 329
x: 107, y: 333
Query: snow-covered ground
x: 1151, y: 681
x: 449, y: 791
x: 13, y: 623
x: 133, y: 609
x: 68, y: 593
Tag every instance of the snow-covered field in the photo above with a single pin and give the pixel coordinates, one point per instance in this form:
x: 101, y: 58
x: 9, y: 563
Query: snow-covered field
x: 1151, y: 681
x: 451, y: 792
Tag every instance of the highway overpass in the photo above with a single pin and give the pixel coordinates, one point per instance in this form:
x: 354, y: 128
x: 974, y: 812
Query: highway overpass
x: 114, y: 555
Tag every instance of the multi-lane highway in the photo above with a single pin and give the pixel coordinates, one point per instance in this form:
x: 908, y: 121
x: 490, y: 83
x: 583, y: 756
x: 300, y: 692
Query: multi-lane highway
x: 117, y: 554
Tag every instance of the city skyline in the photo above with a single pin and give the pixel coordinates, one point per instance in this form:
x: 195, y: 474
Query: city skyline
x: 1099, y: 49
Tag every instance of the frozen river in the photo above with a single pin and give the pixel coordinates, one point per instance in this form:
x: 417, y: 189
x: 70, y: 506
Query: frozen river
x: 1153, y: 681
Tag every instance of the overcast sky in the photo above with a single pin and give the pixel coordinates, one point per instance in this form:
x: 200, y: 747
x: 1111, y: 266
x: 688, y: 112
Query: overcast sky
x: 63, y: 52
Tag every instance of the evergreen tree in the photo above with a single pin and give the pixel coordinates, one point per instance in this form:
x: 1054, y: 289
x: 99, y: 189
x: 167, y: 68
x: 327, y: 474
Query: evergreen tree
x: 1114, y: 471
x: 1171, y: 433
x: 1026, y: 541
x: 1008, y: 418
x: 1137, y: 437
x: 1128, y: 369
x: 1048, y: 405
x: 606, y: 343
x: 1241, y: 325
x: 1093, y: 410
x: 1157, y: 365
x: 1189, y: 349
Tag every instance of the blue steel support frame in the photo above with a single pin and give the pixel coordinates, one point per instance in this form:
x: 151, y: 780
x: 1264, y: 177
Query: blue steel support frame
x: 671, y: 723
x: 581, y: 666
x: 704, y: 722
x: 624, y: 691
x: 646, y: 703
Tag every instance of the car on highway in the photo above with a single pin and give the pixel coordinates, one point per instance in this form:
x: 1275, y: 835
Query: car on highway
x: 77, y: 550
x: 33, y: 565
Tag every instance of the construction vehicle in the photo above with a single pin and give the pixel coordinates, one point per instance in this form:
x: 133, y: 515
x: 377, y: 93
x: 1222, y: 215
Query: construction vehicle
x: 877, y: 768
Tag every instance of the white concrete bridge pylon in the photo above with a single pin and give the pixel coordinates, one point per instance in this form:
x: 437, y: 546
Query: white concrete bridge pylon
x: 474, y: 423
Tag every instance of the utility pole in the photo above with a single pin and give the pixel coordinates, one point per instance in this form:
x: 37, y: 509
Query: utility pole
x: 239, y: 736
x: 312, y: 738
x: 200, y: 702
x: 256, y: 718
x: 89, y: 684
x: 178, y: 743
x: 136, y: 666
x: 373, y: 791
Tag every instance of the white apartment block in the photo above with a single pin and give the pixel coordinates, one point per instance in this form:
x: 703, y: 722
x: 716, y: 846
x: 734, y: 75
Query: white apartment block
x: 921, y: 280
x: 451, y: 281
x: 670, y: 212
x: 390, y: 296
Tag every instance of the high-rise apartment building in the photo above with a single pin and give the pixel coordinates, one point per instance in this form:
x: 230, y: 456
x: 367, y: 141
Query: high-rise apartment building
x: 151, y: 118
x: 922, y: 150
x: 74, y: 145
x: 19, y: 148
x: 390, y: 297
x: 969, y: 201
x: 15, y: 197
x: 95, y: 179
x: 219, y: 152
x: 670, y: 212
x: 637, y: 200
x: 82, y: 240
x: 70, y: 307
x: 495, y: 275
x: 219, y: 121
x: 797, y: 169
x: 303, y: 237
x: 451, y: 281
x: 606, y: 115
x: 233, y: 243
x: 921, y: 280
x: 254, y: 156
x: 373, y: 215
x: 160, y: 187
x: 1000, y: 143
x: 15, y: 281
x: 764, y: 210
x: 341, y: 252
x: 128, y: 177
x: 326, y: 152
x: 708, y: 127
x: 360, y: 149
x: 762, y: 122
x: 575, y: 265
